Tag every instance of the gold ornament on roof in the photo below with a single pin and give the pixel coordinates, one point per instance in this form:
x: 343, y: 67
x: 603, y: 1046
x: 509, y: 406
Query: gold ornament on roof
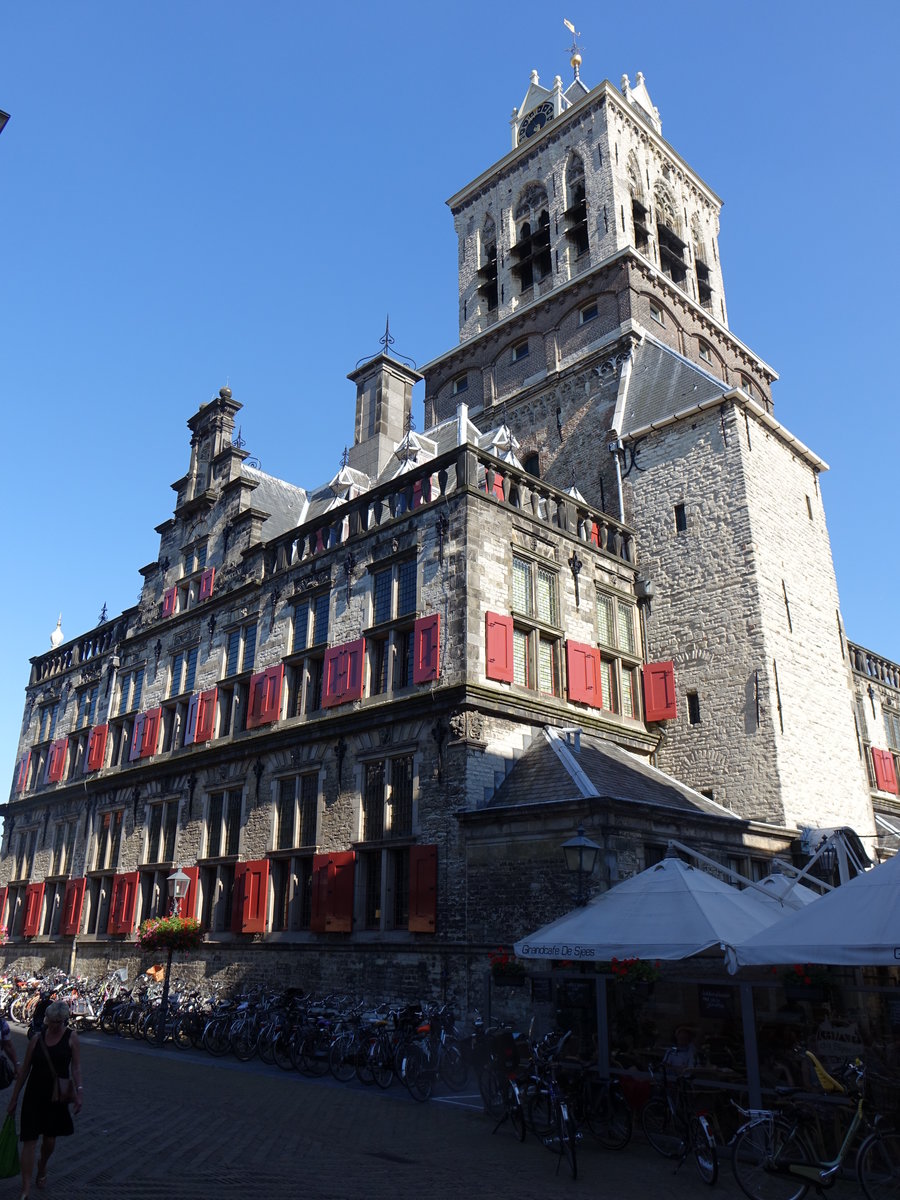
x: 575, y: 59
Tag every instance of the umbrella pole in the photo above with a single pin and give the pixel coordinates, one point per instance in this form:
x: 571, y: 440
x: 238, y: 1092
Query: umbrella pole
x: 602, y: 1010
x: 751, y: 1050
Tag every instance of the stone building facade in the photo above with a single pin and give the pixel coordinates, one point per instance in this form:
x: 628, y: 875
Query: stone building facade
x: 597, y: 589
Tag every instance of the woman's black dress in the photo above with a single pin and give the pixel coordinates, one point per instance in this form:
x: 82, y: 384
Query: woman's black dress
x: 39, y: 1114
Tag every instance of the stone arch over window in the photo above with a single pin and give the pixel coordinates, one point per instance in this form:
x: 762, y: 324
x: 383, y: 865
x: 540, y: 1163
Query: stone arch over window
x: 638, y: 207
x: 668, y: 235
x: 531, y: 252
x: 487, y: 266
x: 576, y: 206
x: 701, y: 264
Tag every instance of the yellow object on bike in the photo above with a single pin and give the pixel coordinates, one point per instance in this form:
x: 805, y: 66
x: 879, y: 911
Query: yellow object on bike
x: 827, y: 1082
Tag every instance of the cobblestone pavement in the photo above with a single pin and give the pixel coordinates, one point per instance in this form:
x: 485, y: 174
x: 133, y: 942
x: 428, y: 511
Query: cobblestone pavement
x: 163, y: 1125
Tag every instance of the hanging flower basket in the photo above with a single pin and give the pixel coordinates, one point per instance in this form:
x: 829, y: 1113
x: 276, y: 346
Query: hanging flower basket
x: 4, y: 933
x: 803, y: 981
x: 506, y: 970
x: 169, y: 933
x: 634, y: 970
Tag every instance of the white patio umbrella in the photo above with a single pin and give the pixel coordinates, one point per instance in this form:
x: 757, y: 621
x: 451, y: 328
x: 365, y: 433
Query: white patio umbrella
x: 670, y: 911
x: 857, y: 924
x: 782, y: 890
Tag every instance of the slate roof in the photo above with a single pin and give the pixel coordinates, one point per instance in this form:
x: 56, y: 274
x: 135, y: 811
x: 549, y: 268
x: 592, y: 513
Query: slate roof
x: 663, y: 383
x: 285, y: 502
x: 551, y: 769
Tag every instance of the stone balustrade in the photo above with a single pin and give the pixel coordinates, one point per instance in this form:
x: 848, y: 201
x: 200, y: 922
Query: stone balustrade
x: 467, y: 467
x: 874, y: 666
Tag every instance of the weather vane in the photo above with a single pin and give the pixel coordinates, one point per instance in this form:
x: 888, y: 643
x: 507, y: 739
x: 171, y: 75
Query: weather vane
x: 574, y: 50
x: 385, y: 342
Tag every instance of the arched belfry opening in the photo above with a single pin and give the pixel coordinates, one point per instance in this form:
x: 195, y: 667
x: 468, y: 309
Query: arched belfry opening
x: 531, y: 252
x: 487, y: 267
x: 576, y: 207
x: 668, y: 235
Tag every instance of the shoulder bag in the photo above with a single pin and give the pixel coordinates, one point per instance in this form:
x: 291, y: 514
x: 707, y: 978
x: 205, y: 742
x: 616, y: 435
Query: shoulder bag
x: 63, y: 1089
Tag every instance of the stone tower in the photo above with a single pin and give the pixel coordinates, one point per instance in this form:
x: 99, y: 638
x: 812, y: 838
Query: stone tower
x: 593, y: 321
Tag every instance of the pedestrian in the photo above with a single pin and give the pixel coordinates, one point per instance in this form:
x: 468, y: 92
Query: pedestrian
x: 6, y: 1045
x: 50, y: 1055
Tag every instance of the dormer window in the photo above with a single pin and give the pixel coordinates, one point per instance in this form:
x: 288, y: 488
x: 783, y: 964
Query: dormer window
x: 460, y: 384
x: 576, y: 212
x: 531, y: 253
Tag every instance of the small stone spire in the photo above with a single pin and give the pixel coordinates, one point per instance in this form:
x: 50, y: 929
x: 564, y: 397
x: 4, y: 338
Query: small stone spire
x: 57, y: 637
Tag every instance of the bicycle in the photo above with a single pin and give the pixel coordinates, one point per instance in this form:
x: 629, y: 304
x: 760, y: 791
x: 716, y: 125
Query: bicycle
x: 675, y: 1127
x: 547, y: 1111
x: 772, y: 1157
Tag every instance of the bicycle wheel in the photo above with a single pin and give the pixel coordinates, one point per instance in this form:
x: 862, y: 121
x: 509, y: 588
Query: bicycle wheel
x: 454, y: 1071
x: 265, y: 1044
x: 703, y: 1147
x: 759, y: 1155
x: 515, y: 1111
x: 416, y: 1073
x: 183, y: 1031
x: 492, y: 1085
x: 565, y: 1131
x: 381, y: 1063
x: 243, y: 1040
x: 363, y: 1065
x: 658, y: 1125
x: 539, y: 1115
x: 342, y: 1056
x: 313, y: 1056
x: 215, y: 1039
x: 609, y: 1118
x: 878, y: 1166
x: 281, y: 1050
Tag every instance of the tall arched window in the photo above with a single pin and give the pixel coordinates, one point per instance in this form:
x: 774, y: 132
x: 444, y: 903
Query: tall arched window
x: 531, y: 253
x: 701, y: 265
x: 576, y: 206
x: 671, y: 244
x: 487, y: 272
x: 638, y: 207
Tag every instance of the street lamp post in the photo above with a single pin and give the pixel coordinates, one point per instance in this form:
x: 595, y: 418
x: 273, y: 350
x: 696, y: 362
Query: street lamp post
x: 581, y: 858
x: 178, y: 883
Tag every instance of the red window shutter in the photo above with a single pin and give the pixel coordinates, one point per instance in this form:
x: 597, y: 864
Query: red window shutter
x: 659, y: 691
x: 255, y: 896
x: 343, y: 673
x: 22, y: 772
x: 885, y: 774
x: 96, y: 748
x: 890, y: 772
x: 169, y: 600
x: 73, y: 902
x: 207, y: 579
x: 595, y: 534
x: 418, y: 498
x: 258, y: 686
x: 206, y: 715
x: 273, y: 697
x: 331, y: 667
x: 497, y: 489
x: 137, y: 733
x: 356, y: 674
x: 499, y: 647
x: 427, y: 648
x: 34, y: 899
x: 56, y: 760
x: 320, y: 541
x: 123, y: 903
x: 150, y: 734
x: 237, y: 897
x: 422, y: 889
x: 189, y: 903
x: 339, y: 915
x: 319, y: 889
x: 583, y: 671
x: 190, y: 725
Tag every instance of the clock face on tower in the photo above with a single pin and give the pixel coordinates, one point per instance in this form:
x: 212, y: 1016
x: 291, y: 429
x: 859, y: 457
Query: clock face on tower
x: 535, y: 120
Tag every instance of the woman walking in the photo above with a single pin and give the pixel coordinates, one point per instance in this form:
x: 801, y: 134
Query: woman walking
x: 49, y: 1059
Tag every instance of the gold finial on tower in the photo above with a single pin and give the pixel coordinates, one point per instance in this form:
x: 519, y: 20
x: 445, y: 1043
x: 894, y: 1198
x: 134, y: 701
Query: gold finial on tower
x: 575, y: 60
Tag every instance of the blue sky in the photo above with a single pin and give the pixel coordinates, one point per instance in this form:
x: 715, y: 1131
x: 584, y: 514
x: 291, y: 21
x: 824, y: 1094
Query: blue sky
x: 202, y: 192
